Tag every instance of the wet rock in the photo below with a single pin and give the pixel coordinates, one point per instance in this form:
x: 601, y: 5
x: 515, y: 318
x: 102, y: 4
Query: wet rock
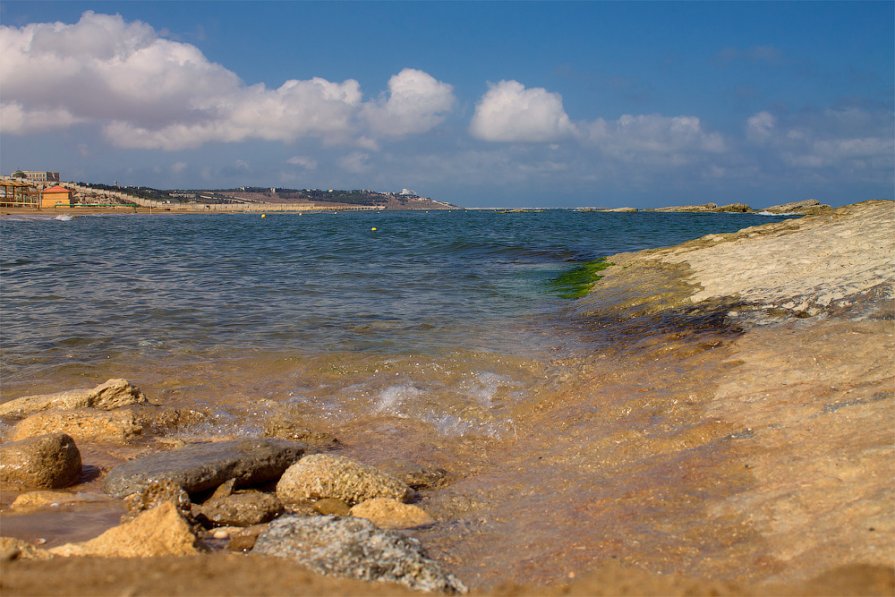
x: 46, y: 462
x: 322, y: 476
x: 202, y: 467
x: 114, y: 393
x: 238, y: 509
x: 426, y: 478
x: 161, y: 531
x: 244, y: 539
x: 17, y: 549
x: 155, y: 494
x: 85, y: 425
x: 287, y: 429
x: 159, y: 420
x: 36, y: 500
x: 355, y: 548
x: 331, y: 506
x: 387, y: 513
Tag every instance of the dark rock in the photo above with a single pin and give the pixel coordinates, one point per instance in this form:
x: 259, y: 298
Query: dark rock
x: 44, y: 462
x: 238, y: 509
x: 355, y: 548
x: 202, y: 467
x: 426, y: 478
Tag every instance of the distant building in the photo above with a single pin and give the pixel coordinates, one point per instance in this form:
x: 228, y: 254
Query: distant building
x: 15, y: 192
x: 37, y: 176
x: 408, y: 192
x: 55, y: 195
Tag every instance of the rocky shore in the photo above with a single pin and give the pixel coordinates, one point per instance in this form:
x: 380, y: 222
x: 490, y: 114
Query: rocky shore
x: 730, y: 435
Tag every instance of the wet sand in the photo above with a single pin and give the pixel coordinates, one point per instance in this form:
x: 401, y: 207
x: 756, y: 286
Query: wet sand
x: 718, y: 442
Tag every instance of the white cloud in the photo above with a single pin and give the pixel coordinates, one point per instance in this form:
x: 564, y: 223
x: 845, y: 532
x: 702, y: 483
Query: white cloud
x: 652, y: 137
x: 153, y: 93
x: 510, y: 112
x: 178, y: 167
x: 356, y: 163
x: 850, y: 139
x: 303, y: 161
x: 417, y: 102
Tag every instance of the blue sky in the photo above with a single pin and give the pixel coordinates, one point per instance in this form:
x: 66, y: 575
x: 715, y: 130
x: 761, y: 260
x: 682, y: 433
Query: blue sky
x: 479, y: 104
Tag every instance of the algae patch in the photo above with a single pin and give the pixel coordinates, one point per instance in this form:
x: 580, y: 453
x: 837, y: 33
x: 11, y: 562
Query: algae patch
x: 577, y: 282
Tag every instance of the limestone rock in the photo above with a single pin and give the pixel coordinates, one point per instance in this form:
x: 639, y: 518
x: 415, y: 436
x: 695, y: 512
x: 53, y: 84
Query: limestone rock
x: 114, y: 393
x: 239, y: 509
x: 36, y: 500
x: 288, y: 429
x: 46, y: 462
x: 387, y: 513
x: 355, y: 548
x: 326, y: 476
x: 156, y: 494
x: 161, y: 531
x: 808, y: 206
x: 331, y: 506
x: 202, y: 467
x: 17, y: 549
x: 85, y: 425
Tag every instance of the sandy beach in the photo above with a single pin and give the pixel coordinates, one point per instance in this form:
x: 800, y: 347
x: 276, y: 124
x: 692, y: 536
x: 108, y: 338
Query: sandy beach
x: 731, y: 437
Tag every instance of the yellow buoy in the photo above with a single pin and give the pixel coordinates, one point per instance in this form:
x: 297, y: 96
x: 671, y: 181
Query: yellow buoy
x: 263, y: 216
x: 373, y: 229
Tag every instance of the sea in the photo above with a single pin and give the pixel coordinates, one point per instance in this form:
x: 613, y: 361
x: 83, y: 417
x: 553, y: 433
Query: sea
x: 441, y: 317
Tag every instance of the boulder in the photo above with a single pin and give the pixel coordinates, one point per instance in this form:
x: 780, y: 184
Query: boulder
x: 387, y: 513
x: 355, y: 548
x: 161, y: 531
x: 114, y: 393
x: 322, y: 476
x: 46, y: 462
x: 239, y: 509
x: 84, y: 425
x: 203, y: 467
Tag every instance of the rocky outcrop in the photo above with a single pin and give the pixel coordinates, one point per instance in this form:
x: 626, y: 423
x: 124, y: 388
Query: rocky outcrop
x: 239, y: 509
x: 46, y: 462
x: 161, y: 531
x: 83, y: 424
x: 325, y: 476
x: 706, y: 207
x: 806, y: 207
x: 387, y: 513
x: 203, y: 467
x: 355, y: 548
x: 112, y: 394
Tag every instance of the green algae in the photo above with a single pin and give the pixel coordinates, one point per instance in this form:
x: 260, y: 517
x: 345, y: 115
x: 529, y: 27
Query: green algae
x: 577, y: 282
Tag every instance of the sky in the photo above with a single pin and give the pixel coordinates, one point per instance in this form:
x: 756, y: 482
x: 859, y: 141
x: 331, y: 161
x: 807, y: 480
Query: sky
x: 547, y: 104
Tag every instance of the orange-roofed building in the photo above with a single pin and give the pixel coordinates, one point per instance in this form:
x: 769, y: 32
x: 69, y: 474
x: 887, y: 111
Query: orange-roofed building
x: 53, y: 195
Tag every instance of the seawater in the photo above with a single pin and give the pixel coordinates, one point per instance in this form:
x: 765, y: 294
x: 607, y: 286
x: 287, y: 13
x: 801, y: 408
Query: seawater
x: 441, y: 316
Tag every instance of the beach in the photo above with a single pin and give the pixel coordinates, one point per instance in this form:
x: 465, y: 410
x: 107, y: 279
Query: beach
x: 729, y: 432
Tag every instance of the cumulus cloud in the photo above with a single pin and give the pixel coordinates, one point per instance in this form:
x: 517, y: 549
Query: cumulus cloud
x: 653, y: 136
x: 511, y: 112
x: 416, y: 103
x: 853, y: 139
x: 153, y: 93
x: 303, y: 161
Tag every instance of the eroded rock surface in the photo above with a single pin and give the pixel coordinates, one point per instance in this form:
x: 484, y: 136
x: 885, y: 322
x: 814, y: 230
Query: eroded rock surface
x: 322, y: 476
x: 84, y: 425
x: 161, y: 531
x: 203, y: 467
x: 240, y: 509
x: 45, y: 462
x: 114, y: 393
x: 355, y: 548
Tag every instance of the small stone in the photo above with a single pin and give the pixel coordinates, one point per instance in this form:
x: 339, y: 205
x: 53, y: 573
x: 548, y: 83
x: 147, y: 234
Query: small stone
x: 112, y: 394
x: 161, y: 531
x: 331, y: 506
x: 221, y: 534
x: 225, y: 489
x: 426, y: 478
x: 85, y: 425
x: 45, y: 462
x: 322, y: 476
x: 287, y: 429
x: 155, y: 494
x: 239, y: 509
x: 387, y: 513
x: 243, y: 540
x: 355, y: 548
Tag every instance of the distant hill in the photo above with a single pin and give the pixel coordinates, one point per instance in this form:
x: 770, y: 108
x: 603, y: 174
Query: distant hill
x: 254, y: 195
